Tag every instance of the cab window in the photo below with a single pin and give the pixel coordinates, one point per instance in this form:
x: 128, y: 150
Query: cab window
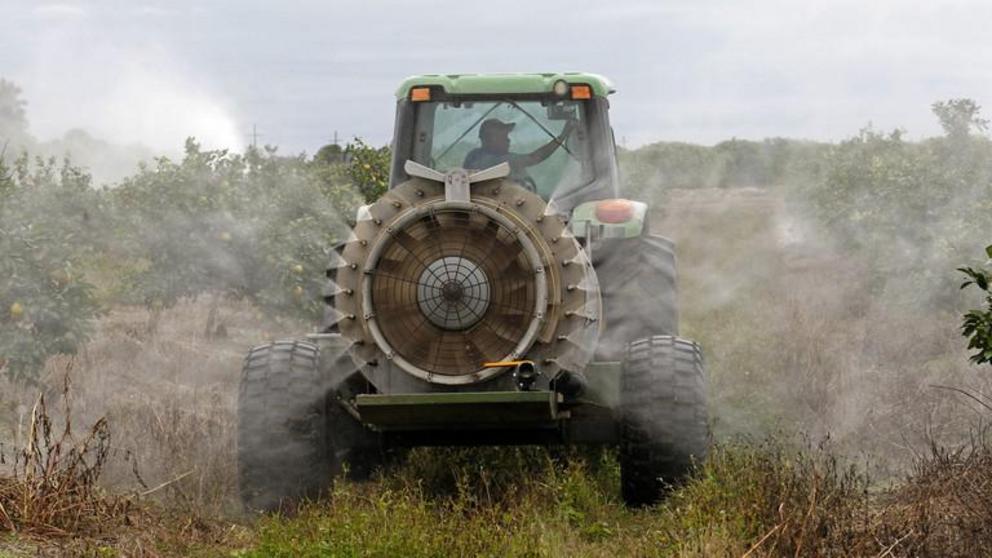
x: 448, y: 132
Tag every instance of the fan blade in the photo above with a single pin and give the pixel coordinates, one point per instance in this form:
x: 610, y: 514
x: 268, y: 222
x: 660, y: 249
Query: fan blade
x: 493, y: 344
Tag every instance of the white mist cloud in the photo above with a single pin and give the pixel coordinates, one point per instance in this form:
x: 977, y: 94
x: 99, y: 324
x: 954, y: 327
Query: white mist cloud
x: 160, y: 109
x: 81, y: 73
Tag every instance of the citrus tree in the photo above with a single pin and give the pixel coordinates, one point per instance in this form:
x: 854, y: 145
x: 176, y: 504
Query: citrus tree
x: 180, y: 230
x: 256, y: 225
x: 301, y: 210
x: 47, y: 218
x: 368, y: 168
x: 912, y: 209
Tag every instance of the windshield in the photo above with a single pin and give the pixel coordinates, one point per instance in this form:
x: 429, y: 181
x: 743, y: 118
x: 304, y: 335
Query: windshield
x: 545, y: 142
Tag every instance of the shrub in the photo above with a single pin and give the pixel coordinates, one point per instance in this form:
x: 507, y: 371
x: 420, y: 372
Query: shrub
x: 976, y: 325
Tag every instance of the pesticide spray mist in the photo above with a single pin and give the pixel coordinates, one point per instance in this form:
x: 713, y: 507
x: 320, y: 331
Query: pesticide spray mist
x: 110, y: 104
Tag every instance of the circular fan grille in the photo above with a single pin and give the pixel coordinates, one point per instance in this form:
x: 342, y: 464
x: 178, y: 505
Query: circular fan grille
x: 455, y: 289
x: 453, y: 292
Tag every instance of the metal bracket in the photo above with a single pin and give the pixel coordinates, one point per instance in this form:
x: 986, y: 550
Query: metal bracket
x: 456, y: 186
x: 501, y: 170
x: 413, y: 168
x: 457, y: 181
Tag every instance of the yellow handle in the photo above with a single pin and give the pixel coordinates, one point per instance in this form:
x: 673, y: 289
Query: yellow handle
x: 506, y: 363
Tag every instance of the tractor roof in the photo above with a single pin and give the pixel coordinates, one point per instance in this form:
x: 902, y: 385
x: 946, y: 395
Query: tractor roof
x: 482, y: 84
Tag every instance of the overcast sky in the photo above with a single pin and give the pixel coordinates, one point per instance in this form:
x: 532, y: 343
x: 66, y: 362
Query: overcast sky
x: 155, y: 72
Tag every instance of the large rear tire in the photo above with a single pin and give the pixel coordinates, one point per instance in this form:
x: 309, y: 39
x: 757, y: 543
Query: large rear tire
x: 283, y: 450
x: 664, y: 427
x: 638, y: 280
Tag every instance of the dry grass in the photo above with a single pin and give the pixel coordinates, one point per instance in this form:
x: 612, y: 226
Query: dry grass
x: 170, y: 397
x: 156, y: 474
x: 944, y: 508
x: 52, y: 490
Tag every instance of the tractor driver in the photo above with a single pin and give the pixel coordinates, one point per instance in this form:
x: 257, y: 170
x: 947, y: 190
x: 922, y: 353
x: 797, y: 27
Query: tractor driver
x: 495, y: 137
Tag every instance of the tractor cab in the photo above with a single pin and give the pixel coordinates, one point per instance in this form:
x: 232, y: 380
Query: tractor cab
x: 553, y: 129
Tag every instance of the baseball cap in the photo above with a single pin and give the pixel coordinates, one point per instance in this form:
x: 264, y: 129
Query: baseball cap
x: 495, y: 124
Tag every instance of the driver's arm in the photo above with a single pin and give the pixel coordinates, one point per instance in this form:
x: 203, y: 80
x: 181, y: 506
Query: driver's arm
x: 545, y: 151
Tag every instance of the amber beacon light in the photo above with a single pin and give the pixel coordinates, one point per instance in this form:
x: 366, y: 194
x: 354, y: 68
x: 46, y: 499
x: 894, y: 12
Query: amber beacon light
x: 614, y: 211
x: 420, y: 94
x: 581, y: 92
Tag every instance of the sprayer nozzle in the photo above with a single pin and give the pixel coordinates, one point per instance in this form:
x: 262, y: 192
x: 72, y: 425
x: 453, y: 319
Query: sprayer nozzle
x: 525, y: 375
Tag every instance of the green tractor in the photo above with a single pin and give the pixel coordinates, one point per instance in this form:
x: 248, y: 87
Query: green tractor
x: 501, y: 292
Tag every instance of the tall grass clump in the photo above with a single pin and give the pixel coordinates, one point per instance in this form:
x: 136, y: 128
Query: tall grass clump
x: 945, y: 507
x: 53, y: 488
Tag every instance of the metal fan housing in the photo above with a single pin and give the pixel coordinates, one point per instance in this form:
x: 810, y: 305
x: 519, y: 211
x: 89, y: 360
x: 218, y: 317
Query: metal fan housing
x: 441, y: 289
